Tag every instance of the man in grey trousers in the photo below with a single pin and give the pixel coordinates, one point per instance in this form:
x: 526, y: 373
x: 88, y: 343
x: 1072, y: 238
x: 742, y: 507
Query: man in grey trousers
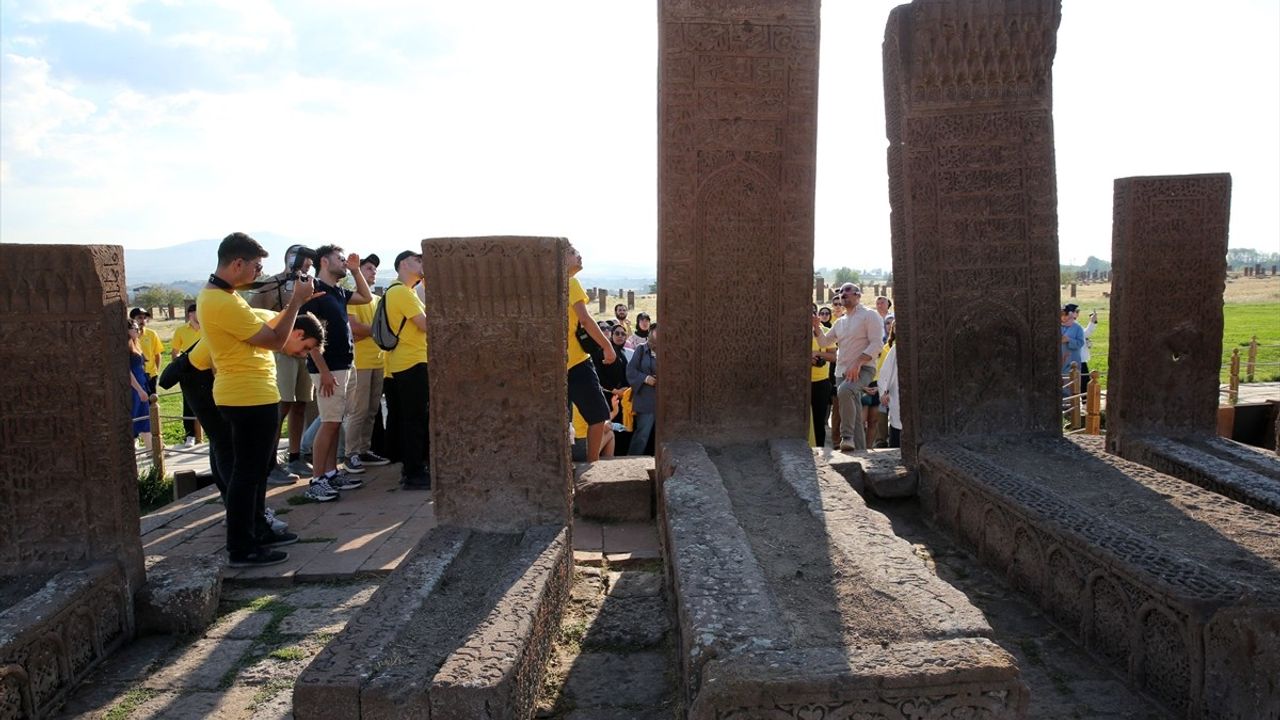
x: 859, y: 336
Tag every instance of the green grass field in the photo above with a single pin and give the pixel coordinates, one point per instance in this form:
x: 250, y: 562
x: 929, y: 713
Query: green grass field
x: 1242, y: 322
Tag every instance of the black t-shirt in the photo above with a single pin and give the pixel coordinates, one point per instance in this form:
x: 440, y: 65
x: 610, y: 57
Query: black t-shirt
x: 332, y: 311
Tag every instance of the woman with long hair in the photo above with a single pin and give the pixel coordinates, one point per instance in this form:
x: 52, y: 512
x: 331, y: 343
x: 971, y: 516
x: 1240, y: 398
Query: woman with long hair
x: 139, y: 400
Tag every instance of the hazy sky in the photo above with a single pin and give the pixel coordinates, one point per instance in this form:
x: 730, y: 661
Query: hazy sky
x: 154, y: 123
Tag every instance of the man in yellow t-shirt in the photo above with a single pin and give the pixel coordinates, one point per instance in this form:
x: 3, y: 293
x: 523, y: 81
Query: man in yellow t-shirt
x: 585, y: 392
x: 183, y: 338
x: 410, y: 399
x: 152, y: 347
x: 364, y: 399
x: 244, y: 388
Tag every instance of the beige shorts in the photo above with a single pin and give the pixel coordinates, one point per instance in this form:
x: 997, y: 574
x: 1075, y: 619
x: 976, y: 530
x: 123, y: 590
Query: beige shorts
x: 332, y: 408
x: 292, y: 379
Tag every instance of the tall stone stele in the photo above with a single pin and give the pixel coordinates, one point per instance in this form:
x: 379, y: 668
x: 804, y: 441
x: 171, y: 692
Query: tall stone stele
x: 498, y: 366
x: 969, y: 117
x: 737, y: 115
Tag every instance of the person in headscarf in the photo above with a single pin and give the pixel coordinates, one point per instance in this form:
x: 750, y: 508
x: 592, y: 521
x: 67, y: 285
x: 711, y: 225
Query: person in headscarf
x: 641, y: 334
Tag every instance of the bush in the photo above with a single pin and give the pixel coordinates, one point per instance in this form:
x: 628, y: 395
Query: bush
x: 154, y: 491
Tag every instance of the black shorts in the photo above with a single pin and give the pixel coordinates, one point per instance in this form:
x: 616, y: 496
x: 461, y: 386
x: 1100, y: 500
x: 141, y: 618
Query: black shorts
x: 585, y: 393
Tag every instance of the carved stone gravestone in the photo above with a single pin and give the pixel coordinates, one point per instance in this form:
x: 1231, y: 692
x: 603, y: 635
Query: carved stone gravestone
x: 70, y: 554
x: 974, y: 223
x: 1172, y: 584
x: 1169, y: 248
x: 631, y: 299
x: 474, y: 384
x: 820, y: 289
x: 603, y: 303
x: 737, y: 108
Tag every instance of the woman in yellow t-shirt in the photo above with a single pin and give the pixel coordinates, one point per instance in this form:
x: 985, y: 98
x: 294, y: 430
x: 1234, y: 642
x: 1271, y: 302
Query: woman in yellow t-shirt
x: 820, y: 362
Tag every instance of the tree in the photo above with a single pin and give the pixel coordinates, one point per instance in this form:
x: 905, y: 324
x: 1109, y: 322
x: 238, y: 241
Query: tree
x: 846, y: 275
x: 158, y: 296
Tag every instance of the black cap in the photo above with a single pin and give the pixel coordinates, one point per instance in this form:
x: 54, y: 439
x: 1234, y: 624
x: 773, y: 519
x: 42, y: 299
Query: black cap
x: 136, y: 312
x: 403, y: 256
x: 371, y: 258
x: 1070, y: 307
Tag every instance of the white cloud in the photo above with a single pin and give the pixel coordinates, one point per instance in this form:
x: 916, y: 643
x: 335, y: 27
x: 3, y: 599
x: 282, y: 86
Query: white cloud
x: 35, y: 108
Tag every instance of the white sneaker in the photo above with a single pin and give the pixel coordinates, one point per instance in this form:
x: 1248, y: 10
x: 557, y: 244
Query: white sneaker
x: 189, y: 442
x: 354, y: 466
x: 321, y: 491
x: 278, y: 526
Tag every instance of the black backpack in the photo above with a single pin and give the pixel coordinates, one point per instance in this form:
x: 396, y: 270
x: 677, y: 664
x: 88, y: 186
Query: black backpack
x: 380, y: 327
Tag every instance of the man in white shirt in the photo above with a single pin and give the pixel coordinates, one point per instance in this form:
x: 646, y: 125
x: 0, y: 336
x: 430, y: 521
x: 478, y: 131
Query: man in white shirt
x: 859, y: 336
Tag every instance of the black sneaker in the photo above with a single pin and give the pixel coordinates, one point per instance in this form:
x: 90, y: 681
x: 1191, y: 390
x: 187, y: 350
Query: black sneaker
x: 278, y: 539
x: 416, y: 482
x: 373, y: 459
x: 259, y: 559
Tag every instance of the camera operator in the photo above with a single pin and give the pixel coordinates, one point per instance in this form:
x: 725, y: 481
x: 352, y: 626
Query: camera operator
x: 292, y: 379
x: 244, y: 388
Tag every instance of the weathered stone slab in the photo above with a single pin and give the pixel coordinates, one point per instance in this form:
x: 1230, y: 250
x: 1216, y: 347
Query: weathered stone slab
x: 1238, y: 471
x: 880, y: 472
x: 56, y: 632
x: 518, y: 285
x: 778, y: 564
x: 461, y: 631
x: 616, y: 490
x: 1176, y: 586
x: 972, y: 187
x: 737, y: 118
x: 180, y: 595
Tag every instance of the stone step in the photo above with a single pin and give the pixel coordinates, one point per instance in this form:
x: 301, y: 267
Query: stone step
x: 615, y: 490
x: 777, y: 563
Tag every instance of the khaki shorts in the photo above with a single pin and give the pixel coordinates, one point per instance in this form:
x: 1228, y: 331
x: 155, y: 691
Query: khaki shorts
x: 292, y: 379
x: 332, y: 408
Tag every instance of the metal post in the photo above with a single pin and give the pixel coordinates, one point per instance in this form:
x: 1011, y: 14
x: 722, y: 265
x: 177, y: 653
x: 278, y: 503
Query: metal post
x: 1093, y: 406
x: 157, y: 439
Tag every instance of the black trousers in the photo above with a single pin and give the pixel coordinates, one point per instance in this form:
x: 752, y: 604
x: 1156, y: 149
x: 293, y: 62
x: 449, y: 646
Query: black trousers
x: 820, y: 402
x: 188, y: 424
x: 391, y: 433
x: 412, y: 421
x: 199, y: 395
x: 253, y: 434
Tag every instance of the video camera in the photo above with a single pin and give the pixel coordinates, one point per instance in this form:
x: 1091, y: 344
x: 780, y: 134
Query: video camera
x: 296, y: 256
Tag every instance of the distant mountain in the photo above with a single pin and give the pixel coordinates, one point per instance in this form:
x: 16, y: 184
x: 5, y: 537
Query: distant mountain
x: 191, y: 262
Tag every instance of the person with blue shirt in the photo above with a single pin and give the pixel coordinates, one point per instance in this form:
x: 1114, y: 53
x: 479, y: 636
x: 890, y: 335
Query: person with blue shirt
x: 1070, y: 341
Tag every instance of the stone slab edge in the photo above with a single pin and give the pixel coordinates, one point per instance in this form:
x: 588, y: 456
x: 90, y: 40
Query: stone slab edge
x: 615, y: 490
x: 51, y: 639
x: 722, y: 603
x: 880, y: 472
x: 884, y: 561
x: 330, y: 686
x: 963, y: 677
x: 180, y: 595
x: 1237, y: 481
x: 496, y: 672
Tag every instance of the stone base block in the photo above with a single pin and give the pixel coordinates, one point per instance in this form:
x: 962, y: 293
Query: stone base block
x: 880, y: 472
x: 180, y: 595
x: 1176, y: 586
x: 461, y: 630
x: 616, y: 490
x: 793, y: 596
x: 970, y: 677
x: 1240, y: 472
x: 54, y: 630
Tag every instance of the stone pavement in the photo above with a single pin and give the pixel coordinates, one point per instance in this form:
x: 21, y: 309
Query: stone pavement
x: 367, y: 532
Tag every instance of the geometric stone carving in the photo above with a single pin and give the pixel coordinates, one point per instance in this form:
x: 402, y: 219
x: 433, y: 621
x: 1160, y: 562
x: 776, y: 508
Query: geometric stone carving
x: 737, y: 108
x: 478, y: 383
x: 839, y: 620
x: 1169, y: 246
x: 1178, y: 587
x: 68, y: 485
x: 968, y: 109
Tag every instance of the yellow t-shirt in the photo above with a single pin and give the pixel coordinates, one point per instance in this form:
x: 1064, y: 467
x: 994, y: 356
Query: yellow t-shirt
x: 579, y: 425
x: 818, y: 373
x: 152, y: 347
x: 368, y: 355
x: 576, y: 295
x: 183, y: 338
x: 200, y: 357
x: 403, y: 304
x: 246, y: 373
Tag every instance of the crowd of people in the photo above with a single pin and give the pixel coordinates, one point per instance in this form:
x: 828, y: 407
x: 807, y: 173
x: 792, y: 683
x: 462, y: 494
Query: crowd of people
x: 854, y: 373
